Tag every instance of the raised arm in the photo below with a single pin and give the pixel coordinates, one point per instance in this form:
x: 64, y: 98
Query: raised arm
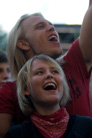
x: 90, y: 2
x: 85, y: 39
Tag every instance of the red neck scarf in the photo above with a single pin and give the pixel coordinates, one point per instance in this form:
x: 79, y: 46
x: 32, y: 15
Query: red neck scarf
x: 51, y: 126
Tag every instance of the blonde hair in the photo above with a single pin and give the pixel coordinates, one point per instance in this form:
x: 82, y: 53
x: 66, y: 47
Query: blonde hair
x: 16, y: 56
x: 23, y: 80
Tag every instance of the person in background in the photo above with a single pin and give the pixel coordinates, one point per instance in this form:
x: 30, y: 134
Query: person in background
x: 5, y: 74
x: 33, y: 35
x: 43, y: 92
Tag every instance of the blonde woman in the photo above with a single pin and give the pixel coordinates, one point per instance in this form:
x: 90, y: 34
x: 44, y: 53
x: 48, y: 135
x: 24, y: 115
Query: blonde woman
x: 42, y: 94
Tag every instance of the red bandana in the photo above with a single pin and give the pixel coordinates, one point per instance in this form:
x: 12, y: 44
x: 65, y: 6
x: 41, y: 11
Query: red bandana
x: 51, y: 126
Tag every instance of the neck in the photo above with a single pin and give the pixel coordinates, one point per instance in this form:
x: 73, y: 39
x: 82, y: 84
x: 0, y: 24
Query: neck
x: 29, y: 54
x: 46, y: 110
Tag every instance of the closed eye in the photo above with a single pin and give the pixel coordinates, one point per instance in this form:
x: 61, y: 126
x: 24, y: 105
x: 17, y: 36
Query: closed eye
x: 40, y: 26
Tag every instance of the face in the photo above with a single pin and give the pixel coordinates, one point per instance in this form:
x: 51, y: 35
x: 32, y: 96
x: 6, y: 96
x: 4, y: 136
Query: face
x: 46, y: 85
x: 5, y: 74
x: 42, y: 37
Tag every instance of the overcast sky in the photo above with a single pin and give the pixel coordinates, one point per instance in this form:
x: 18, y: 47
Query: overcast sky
x: 56, y: 11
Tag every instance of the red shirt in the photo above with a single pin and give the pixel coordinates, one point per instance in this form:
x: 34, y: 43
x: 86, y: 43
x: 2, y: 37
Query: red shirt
x: 78, y: 79
x: 9, y: 102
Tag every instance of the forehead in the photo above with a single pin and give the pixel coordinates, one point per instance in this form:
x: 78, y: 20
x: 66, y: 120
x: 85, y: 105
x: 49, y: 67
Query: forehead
x: 37, y: 63
x: 4, y: 66
x: 34, y: 20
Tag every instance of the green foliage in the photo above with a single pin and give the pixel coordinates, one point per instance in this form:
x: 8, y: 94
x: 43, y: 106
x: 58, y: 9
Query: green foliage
x: 3, y: 40
x: 76, y: 35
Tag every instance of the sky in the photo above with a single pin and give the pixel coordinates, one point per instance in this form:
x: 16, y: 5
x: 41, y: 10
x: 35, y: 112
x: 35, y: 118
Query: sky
x: 56, y: 11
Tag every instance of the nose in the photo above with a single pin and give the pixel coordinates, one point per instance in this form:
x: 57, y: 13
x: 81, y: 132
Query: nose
x: 49, y: 75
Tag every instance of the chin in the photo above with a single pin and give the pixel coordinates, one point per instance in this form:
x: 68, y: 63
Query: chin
x: 56, y: 55
x: 53, y: 101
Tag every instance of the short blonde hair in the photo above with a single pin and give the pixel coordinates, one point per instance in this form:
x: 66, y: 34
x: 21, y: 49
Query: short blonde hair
x: 23, y: 80
x: 16, y: 56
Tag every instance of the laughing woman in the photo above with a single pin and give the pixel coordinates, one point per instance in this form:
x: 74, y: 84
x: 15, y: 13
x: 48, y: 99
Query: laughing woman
x: 42, y: 94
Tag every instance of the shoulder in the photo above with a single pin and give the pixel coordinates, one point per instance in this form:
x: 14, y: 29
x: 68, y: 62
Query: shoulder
x: 10, y: 84
x: 17, y: 131
x: 81, y: 118
x: 21, y: 131
x: 8, y: 97
x: 79, y: 126
x: 82, y: 122
x: 8, y: 87
x: 73, y: 50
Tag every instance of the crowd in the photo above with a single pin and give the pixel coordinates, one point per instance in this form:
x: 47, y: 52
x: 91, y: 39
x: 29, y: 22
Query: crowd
x: 34, y: 35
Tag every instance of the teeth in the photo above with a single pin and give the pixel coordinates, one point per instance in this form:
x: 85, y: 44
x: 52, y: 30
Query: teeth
x: 50, y: 84
x: 52, y: 37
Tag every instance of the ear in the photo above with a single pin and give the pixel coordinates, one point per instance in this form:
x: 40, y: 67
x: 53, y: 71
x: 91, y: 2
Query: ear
x: 22, y: 44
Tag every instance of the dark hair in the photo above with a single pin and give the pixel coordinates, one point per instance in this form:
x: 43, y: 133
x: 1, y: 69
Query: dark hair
x: 3, y: 57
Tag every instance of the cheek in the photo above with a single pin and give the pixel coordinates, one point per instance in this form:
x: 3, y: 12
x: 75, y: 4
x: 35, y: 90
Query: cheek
x: 35, y: 81
x: 60, y: 83
x: 1, y: 75
x: 38, y: 43
x: 36, y: 84
x: 32, y: 90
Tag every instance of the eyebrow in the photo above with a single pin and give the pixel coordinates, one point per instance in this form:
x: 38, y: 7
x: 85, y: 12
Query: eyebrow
x: 42, y: 21
x: 37, y: 69
x: 44, y: 68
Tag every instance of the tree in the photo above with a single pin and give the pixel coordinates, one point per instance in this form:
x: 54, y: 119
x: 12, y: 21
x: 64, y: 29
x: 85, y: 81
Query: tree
x: 3, y: 40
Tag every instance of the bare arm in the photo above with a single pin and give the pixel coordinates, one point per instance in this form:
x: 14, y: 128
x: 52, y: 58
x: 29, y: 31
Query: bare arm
x: 85, y: 39
x: 5, y: 123
x: 90, y: 2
